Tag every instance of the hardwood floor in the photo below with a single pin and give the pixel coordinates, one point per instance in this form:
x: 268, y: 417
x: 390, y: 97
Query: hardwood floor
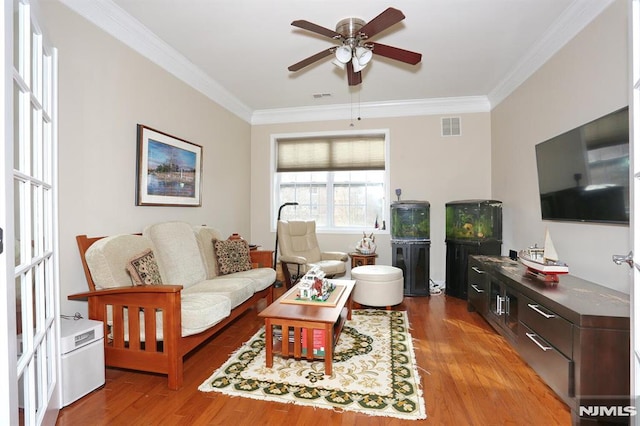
x: 470, y: 376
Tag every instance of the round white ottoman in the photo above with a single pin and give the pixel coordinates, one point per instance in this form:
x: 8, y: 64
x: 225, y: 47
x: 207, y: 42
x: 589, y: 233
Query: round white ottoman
x: 378, y: 285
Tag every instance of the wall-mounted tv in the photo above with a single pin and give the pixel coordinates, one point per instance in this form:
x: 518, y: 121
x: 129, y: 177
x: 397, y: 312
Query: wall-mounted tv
x: 583, y: 174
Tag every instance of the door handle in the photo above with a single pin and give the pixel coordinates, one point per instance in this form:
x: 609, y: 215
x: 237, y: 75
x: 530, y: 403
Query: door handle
x: 619, y: 259
x: 499, y: 305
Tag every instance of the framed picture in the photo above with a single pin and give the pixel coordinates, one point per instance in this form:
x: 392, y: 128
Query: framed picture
x: 169, y: 170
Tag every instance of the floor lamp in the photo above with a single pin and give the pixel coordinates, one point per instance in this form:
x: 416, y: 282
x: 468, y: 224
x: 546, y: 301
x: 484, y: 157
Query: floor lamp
x: 275, y: 252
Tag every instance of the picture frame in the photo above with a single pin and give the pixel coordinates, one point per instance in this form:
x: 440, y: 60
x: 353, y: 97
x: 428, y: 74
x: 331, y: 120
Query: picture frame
x: 169, y: 170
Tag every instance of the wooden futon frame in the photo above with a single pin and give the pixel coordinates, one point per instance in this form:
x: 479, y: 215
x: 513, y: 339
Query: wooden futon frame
x: 152, y: 355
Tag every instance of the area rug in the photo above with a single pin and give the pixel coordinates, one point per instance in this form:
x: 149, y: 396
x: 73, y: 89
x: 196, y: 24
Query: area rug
x: 374, y: 371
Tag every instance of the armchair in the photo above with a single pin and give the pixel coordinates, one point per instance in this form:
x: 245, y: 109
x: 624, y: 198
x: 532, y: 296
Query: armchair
x: 299, y: 251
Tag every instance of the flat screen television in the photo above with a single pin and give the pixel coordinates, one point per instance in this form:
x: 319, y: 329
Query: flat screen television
x: 583, y: 174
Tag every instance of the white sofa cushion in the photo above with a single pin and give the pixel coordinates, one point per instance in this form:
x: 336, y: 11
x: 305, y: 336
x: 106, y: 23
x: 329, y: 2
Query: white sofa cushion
x: 177, y: 253
x: 108, y: 257
x: 202, y: 311
x: 261, y: 278
x: 235, y: 288
x: 205, y: 236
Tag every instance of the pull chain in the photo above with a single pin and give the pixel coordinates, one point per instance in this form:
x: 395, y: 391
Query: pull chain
x: 351, y: 96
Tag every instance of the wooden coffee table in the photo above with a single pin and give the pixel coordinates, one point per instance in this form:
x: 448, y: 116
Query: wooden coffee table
x: 295, y: 316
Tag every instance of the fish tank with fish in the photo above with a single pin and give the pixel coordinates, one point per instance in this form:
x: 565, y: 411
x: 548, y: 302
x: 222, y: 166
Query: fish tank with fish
x: 474, y: 220
x: 410, y: 220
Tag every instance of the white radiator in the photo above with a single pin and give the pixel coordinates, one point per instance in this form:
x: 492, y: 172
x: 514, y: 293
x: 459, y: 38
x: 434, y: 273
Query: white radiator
x: 81, y: 347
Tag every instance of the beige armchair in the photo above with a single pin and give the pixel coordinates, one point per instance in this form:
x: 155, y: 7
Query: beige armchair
x: 299, y: 251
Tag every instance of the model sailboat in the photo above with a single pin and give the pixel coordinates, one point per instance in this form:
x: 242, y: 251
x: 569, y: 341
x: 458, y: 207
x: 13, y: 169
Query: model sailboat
x: 544, y: 260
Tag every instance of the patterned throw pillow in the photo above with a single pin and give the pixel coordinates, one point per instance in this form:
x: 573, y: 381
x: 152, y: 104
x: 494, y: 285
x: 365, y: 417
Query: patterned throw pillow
x: 143, y: 269
x: 233, y: 256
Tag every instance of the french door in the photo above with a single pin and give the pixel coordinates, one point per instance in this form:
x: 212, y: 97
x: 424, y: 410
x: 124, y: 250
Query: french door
x: 29, y: 221
x: 634, y: 229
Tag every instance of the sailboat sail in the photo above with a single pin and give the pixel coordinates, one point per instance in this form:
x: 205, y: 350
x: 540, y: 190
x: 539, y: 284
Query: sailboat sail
x: 549, y: 249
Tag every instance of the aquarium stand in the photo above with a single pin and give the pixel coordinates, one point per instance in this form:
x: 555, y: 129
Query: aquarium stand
x: 412, y: 256
x: 458, y: 252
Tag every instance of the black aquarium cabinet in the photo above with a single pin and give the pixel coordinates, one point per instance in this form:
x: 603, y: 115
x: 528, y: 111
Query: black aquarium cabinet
x: 473, y: 227
x: 413, y: 258
x: 458, y: 253
x: 410, y: 244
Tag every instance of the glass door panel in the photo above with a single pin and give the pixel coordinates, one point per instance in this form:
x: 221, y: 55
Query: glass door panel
x: 511, y: 300
x: 33, y: 210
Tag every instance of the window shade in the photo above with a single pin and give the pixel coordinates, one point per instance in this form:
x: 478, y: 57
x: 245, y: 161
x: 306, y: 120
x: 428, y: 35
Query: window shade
x: 330, y: 153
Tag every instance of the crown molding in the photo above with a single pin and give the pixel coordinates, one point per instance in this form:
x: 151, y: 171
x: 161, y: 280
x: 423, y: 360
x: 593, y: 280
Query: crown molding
x: 108, y: 16
x: 573, y: 20
x: 469, y: 104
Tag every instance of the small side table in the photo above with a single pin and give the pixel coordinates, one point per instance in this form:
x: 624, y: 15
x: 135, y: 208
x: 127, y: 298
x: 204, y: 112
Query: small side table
x: 359, y: 259
x: 261, y: 258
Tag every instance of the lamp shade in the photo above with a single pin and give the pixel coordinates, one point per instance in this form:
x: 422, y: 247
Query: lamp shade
x: 356, y: 65
x: 343, y: 54
x: 338, y: 64
x: 364, y: 55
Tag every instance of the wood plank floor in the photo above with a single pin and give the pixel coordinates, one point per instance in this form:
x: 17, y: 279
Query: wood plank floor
x: 470, y: 376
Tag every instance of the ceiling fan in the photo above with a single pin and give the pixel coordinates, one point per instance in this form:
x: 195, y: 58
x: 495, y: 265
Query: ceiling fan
x: 355, y: 50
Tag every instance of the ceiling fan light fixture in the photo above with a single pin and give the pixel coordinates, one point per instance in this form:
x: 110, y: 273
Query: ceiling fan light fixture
x: 338, y: 64
x: 343, y: 54
x: 354, y: 51
x: 357, y: 66
x: 364, y: 55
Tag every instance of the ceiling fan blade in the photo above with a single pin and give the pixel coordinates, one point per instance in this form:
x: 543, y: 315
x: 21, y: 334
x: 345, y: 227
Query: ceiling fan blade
x: 396, y: 53
x: 353, y: 77
x: 310, y: 26
x: 381, y: 22
x: 311, y: 59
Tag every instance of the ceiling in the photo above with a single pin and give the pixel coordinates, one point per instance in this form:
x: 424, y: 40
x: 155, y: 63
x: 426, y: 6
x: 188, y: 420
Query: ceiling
x: 238, y: 51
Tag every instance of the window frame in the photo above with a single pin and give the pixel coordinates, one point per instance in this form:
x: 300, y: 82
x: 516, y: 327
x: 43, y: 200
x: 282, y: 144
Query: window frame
x: 275, y: 182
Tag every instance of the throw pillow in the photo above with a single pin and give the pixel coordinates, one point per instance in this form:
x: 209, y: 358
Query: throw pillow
x: 233, y: 256
x: 143, y: 269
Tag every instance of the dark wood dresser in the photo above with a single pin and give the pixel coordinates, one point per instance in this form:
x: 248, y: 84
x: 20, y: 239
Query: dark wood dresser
x: 575, y: 334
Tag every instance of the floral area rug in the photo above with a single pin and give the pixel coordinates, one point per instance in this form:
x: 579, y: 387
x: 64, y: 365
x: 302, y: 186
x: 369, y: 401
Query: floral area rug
x: 374, y: 371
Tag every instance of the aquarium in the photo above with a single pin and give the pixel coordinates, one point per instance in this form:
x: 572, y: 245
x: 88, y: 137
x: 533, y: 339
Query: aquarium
x: 475, y: 220
x: 410, y: 220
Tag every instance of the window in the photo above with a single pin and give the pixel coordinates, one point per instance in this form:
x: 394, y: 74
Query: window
x: 338, y: 180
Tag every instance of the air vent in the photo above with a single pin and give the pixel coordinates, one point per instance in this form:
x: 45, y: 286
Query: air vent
x: 451, y: 126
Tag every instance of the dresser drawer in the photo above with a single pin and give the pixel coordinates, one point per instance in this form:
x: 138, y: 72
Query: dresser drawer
x: 547, y: 324
x: 477, y: 288
x: 476, y: 273
x: 550, y: 364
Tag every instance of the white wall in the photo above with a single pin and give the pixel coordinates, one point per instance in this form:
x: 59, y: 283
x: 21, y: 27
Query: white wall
x: 105, y: 90
x: 585, y: 80
x: 425, y: 165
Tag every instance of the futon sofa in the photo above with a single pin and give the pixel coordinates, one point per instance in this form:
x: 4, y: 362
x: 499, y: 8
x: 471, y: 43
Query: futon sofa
x: 162, y: 293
